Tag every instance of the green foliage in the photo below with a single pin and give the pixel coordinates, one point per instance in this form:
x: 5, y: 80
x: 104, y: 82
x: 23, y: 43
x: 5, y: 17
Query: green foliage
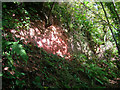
x: 89, y: 67
x: 11, y: 52
x: 100, y: 71
x: 58, y: 72
x: 16, y: 49
x: 19, y: 50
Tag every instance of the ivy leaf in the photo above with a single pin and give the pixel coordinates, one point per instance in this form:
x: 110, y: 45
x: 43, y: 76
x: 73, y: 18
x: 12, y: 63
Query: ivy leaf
x: 4, y: 6
x: 24, y: 21
x: 10, y: 58
x: 99, y: 81
x: 19, y: 50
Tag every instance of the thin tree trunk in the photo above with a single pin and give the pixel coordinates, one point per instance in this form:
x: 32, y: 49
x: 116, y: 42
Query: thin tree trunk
x: 49, y: 22
x: 116, y: 13
x: 99, y: 16
x: 110, y: 28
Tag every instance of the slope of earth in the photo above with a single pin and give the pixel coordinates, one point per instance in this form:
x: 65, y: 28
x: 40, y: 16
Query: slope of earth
x: 45, y: 67
x: 44, y: 70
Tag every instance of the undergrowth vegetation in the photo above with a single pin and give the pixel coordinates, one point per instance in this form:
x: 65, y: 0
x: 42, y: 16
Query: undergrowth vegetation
x: 53, y: 71
x: 93, y: 63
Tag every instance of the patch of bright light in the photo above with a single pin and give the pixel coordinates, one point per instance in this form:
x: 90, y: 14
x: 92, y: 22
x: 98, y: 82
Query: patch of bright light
x: 44, y: 40
x: 40, y: 44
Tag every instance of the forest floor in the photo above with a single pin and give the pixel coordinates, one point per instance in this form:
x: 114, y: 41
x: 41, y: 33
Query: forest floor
x: 38, y: 66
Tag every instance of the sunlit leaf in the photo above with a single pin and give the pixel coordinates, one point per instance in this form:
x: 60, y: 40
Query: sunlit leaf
x: 4, y: 6
x: 99, y: 81
x: 19, y: 50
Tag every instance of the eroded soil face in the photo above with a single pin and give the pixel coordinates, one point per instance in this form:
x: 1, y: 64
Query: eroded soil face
x: 51, y: 39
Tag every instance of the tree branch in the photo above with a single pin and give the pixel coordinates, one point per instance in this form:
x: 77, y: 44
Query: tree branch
x: 99, y: 16
x: 110, y: 28
x: 116, y: 13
